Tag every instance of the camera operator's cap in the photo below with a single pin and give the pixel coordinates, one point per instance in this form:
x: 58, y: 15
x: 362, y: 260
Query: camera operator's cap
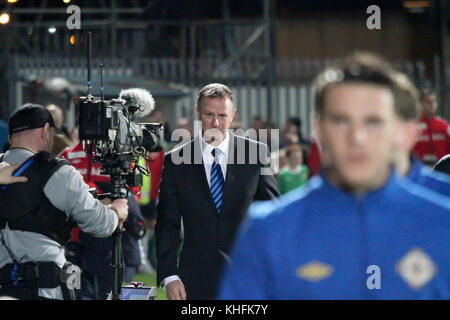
x: 30, y: 116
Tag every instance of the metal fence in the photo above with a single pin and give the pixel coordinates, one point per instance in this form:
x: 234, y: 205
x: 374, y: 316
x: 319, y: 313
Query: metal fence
x: 287, y: 93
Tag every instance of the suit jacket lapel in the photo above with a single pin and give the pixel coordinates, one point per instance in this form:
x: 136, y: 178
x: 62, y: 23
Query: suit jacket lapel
x: 231, y: 170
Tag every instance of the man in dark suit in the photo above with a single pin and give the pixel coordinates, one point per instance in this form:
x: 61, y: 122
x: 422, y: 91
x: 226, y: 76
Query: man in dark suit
x: 208, y: 183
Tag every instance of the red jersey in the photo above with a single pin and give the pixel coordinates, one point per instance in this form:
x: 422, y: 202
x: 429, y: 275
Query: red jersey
x: 314, y: 161
x: 434, y: 140
x: 79, y: 159
x: 155, y: 168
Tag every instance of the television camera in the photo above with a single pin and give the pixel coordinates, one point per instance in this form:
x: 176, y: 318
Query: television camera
x: 110, y: 135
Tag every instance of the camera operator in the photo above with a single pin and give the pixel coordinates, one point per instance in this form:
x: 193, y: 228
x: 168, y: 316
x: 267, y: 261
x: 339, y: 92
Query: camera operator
x: 36, y: 216
x: 94, y: 254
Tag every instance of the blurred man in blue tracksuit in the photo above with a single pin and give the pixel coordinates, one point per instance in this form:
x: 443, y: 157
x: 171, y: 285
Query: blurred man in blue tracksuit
x: 357, y: 230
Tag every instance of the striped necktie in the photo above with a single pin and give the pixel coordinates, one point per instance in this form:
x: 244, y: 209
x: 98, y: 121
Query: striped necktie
x: 217, y: 182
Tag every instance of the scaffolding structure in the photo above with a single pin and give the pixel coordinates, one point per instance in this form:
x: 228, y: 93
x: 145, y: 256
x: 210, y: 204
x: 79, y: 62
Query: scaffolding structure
x: 134, y: 43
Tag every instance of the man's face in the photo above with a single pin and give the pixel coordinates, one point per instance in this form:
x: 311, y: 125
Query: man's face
x: 357, y: 131
x: 216, y: 115
x: 430, y: 105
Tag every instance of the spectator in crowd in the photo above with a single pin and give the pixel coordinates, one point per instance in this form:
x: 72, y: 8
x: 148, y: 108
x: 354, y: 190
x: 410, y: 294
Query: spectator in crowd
x: 295, y: 174
x: 291, y: 134
x: 61, y: 140
x: 293, y: 126
x: 358, y: 230
x: 434, y: 139
x: 408, y: 165
x: 314, y: 156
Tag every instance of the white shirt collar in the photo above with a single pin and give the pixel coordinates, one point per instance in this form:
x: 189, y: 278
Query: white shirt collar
x: 223, y: 146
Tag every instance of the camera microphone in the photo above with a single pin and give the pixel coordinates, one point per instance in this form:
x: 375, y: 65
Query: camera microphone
x: 139, y: 99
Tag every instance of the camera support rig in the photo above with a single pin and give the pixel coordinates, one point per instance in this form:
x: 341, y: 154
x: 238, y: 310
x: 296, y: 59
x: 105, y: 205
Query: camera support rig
x: 106, y: 127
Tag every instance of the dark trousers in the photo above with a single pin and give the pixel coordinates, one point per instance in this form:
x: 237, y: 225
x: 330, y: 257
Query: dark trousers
x: 128, y: 273
x: 94, y: 287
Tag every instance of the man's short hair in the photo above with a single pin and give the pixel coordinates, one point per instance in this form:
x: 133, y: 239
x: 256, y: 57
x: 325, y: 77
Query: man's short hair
x: 365, y: 68
x: 215, y: 90
x: 407, y: 98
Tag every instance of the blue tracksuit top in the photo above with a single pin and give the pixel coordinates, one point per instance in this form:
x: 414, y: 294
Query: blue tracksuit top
x: 319, y: 242
x: 434, y: 180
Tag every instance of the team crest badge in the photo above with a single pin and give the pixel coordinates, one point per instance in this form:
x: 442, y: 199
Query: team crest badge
x: 314, y: 271
x: 416, y: 268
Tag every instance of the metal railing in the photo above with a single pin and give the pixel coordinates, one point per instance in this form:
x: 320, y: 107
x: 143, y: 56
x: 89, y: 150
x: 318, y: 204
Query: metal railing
x: 289, y: 93
x: 197, y: 71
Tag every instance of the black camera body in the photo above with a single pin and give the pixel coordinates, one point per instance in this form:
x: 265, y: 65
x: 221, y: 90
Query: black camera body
x: 108, y: 129
x: 112, y: 120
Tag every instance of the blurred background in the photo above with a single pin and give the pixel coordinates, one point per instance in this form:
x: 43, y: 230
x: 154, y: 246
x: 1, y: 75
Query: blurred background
x: 267, y: 51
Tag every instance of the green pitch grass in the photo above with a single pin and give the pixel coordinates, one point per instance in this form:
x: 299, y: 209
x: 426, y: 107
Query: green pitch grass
x: 150, y: 280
